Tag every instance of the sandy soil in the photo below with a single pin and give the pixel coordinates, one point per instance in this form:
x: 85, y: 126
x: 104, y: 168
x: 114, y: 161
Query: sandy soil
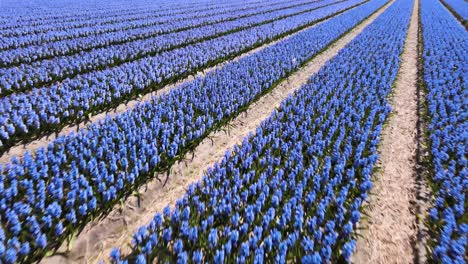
x: 391, y: 233
x: 98, y: 239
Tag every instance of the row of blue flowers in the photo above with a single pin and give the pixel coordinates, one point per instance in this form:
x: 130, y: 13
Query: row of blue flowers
x: 294, y: 190
x: 148, y: 29
x: 48, y: 196
x: 460, y: 9
x: 24, y: 116
x: 128, y: 46
x: 445, y: 67
x: 97, y: 26
x: 44, y: 22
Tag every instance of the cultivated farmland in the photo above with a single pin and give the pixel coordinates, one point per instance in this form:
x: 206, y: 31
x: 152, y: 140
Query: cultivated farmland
x: 249, y: 131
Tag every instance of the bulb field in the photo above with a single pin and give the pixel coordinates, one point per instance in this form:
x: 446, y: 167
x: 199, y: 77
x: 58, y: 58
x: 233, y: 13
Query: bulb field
x: 249, y: 131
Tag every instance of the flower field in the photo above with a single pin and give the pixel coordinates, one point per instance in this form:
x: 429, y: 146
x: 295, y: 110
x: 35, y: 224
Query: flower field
x: 444, y: 67
x: 297, y: 189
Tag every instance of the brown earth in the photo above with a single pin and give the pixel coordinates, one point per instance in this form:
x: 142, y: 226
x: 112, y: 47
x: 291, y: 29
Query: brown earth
x: 391, y: 232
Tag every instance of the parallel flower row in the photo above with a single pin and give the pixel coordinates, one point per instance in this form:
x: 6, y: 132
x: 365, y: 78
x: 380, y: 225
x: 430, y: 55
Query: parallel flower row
x: 33, y: 53
x: 42, y: 21
x: 96, y: 26
x: 26, y: 76
x: 46, y: 197
x: 460, y: 8
x: 292, y: 192
x: 445, y: 58
x: 23, y: 116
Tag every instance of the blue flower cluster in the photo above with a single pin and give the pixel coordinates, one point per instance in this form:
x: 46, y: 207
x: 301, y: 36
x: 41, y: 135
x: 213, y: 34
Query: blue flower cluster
x: 40, y: 12
x: 151, y: 41
x: 71, y: 46
x: 49, y: 195
x: 39, y: 33
x: 445, y: 56
x: 460, y: 8
x: 46, y: 109
x: 293, y: 191
x: 67, y: 13
x: 69, y: 16
x: 39, y: 20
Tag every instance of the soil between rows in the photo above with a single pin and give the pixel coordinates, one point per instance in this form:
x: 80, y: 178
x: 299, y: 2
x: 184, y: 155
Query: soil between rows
x: 116, y: 230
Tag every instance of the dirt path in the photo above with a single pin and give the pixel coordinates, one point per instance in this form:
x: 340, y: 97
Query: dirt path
x: 98, y: 239
x: 392, y: 232
x: 32, y: 146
